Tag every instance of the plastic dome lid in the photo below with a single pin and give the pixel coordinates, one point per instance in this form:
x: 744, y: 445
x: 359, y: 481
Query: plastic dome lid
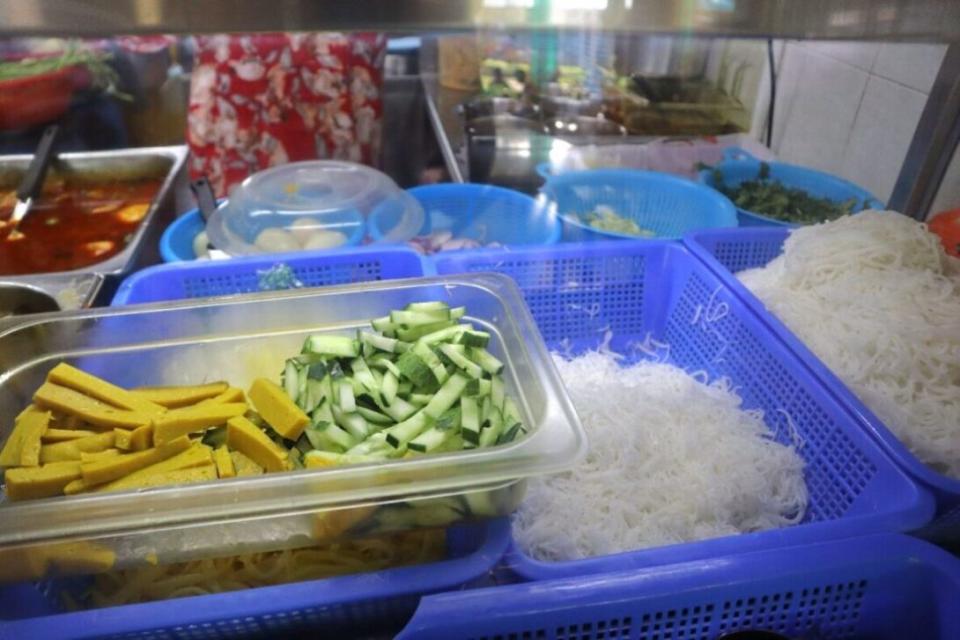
x: 319, y: 204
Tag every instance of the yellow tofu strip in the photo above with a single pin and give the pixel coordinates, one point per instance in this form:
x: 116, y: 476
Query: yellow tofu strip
x: 276, y: 407
x: 178, y: 422
x: 137, y: 440
x: 174, y: 397
x: 34, y: 424
x: 244, y: 466
x: 224, y: 462
x: 245, y: 437
x: 89, y: 409
x: 77, y: 486
x: 27, y: 483
x: 10, y: 455
x: 181, y: 476
x: 72, y: 449
x: 197, y: 455
x: 98, y: 455
x: 67, y: 376
x: 62, y: 435
x: 108, y: 469
x: 233, y: 394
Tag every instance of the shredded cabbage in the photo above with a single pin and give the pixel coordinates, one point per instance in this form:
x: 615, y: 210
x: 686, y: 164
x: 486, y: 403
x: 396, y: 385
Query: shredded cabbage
x: 876, y: 298
x: 671, y: 459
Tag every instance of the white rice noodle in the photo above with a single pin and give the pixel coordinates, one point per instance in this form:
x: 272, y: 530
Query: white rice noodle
x: 671, y: 460
x: 875, y: 297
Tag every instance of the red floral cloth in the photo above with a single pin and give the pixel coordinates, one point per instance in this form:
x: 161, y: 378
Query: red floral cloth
x: 261, y: 100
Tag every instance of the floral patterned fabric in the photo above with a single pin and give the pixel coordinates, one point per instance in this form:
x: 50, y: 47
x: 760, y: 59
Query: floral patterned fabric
x: 261, y: 100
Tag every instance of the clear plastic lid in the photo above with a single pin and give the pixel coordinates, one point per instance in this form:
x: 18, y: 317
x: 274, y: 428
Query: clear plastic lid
x: 319, y: 204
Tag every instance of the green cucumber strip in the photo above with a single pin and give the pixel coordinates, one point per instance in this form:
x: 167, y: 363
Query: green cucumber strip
x: 314, y: 395
x: 428, y: 306
x: 414, y: 367
x: 480, y: 503
x: 413, y: 334
x: 352, y: 423
x: 478, y: 388
x: 419, y: 318
x: 510, y: 434
x: 450, y: 420
x: 383, y: 324
x: 379, y: 342
x: 346, y: 398
x: 338, y: 346
x: 457, y: 312
x: 486, y: 360
x: 461, y: 361
x: 317, y: 371
x: 399, y: 409
x: 469, y: 422
x: 510, y: 412
x: 485, y: 407
x: 322, y: 412
x: 489, y: 435
x: 453, y: 443
x: 428, y: 440
x: 497, y: 392
x: 448, y: 394
x: 389, y: 389
x: 374, y: 417
x: 447, y: 334
x: 374, y: 445
x: 419, y: 399
x: 363, y: 375
x: 404, y: 432
x: 404, y: 388
x: 329, y: 437
x: 302, y: 387
x: 291, y: 379
x: 215, y: 437
x: 478, y: 339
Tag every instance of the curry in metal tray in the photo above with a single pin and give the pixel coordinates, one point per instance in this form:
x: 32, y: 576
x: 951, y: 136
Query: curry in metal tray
x: 72, y: 226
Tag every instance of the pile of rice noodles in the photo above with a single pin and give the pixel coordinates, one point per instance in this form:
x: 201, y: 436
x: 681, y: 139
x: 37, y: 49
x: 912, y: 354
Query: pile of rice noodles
x: 672, y: 459
x: 875, y: 297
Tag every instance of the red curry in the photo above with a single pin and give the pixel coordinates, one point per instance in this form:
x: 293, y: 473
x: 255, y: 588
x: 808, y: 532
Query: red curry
x: 73, y: 226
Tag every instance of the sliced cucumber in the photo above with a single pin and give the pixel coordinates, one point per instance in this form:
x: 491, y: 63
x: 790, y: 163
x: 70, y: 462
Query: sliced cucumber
x: 345, y: 397
x: 399, y: 409
x: 429, y: 440
x: 379, y: 342
x: 435, y: 305
x: 419, y: 318
x: 413, y: 334
x: 388, y: 391
x: 478, y: 388
x: 291, y: 379
x: 374, y: 417
x: 486, y: 360
x: 497, y: 392
x: 490, y: 433
x: 404, y: 432
x: 337, y: 346
x: 469, y: 422
x: 445, y: 398
x: 460, y: 360
x: 478, y: 339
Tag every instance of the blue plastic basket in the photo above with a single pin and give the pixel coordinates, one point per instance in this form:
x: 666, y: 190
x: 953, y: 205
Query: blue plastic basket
x: 480, y: 212
x: 739, y: 166
x: 377, y: 601
x: 176, y: 243
x: 203, y: 278
x: 658, y: 202
x: 578, y: 292
x: 883, y: 587
x: 726, y: 253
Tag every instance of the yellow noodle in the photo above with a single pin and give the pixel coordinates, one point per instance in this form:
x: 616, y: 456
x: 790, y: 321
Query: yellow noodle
x: 216, y: 575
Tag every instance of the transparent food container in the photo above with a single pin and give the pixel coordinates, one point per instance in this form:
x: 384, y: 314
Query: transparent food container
x: 249, y: 337
x: 313, y: 205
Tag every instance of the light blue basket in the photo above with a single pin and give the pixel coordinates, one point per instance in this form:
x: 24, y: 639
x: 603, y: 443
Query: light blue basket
x: 480, y: 212
x: 727, y: 252
x: 663, y: 204
x: 578, y: 293
x: 176, y: 243
x: 739, y: 166
x: 884, y: 587
x: 339, y: 607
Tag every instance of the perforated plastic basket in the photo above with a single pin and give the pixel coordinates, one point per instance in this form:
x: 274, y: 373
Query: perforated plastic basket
x: 343, y: 606
x: 637, y: 289
x: 883, y: 587
x: 660, y: 203
x: 726, y: 253
x: 480, y: 212
x: 739, y: 166
x: 200, y: 279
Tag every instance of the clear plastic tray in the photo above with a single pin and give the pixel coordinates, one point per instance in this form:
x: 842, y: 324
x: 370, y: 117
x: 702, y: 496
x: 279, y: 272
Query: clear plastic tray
x: 239, y: 340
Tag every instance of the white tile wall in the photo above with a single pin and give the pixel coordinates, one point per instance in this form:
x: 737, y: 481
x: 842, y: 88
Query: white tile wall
x: 823, y: 97
x: 850, y: 108
x: 912, y: 65
x: 881, y: 134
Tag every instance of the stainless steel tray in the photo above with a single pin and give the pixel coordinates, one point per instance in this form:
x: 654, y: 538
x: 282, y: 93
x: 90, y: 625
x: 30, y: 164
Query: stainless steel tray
x: 78, y: 288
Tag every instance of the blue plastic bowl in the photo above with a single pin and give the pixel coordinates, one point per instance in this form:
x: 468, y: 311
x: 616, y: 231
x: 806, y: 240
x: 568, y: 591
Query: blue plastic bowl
x: 739, y: 166
x: 666, y: 205
x: 176, y: 243
x: 480, y: 212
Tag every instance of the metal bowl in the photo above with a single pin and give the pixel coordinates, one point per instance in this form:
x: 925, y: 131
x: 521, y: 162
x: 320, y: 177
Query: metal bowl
x: 18, y: 299
x: 495, y: 106
x: 554, y: 106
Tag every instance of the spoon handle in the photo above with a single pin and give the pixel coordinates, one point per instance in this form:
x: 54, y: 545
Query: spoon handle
x: 33, y: 179
x: 203, y: 192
